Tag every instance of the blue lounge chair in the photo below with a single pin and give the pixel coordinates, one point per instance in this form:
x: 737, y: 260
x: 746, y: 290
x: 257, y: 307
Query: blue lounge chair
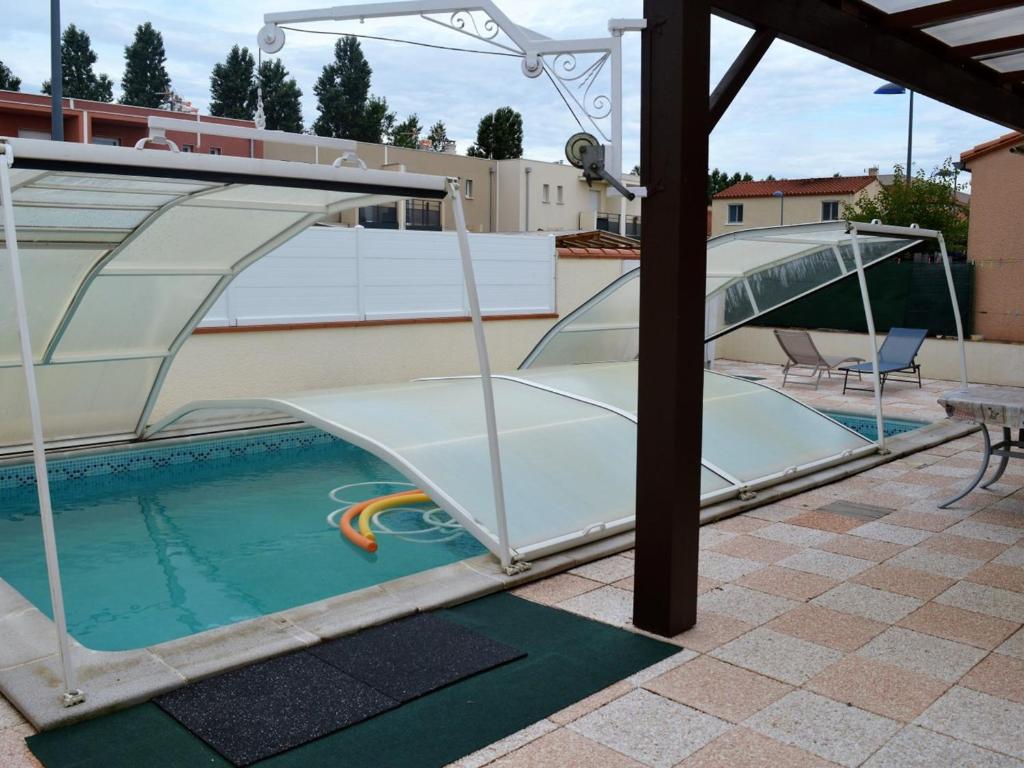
x: 898, y: 354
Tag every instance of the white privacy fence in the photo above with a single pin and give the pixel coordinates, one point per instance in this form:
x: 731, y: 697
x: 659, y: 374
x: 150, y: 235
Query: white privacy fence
x: 331, y: 274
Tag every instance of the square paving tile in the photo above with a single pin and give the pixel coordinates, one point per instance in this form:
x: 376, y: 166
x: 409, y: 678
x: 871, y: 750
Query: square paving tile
x: 828, y: 564
x: 754, y: 548
x: 904, y: 581
x: 592, y: 702
x: 555, y: 589
x: 564, y: 748
x: 881, y: 688
x: 711, y: 631
x: 712, y: 537
x: 1014, y: 646
x: 793, y: 534
x: 14, y: 752
x: 607, y: 604
x: 841, y: 631
x: 1002, y: 514
x: 665, y: 665
x: 744, y: 748
x: 775, y: 513
x: 894, y: 534
x: 505, y: 746
x: 714, y: 565
x: 926, y: 654
x: 826, y: 521
x: 987, y: 532
x: 916, y: 747
x: 9, y: 715
x: 719, y: 689
x: 926, y: 521
x: 744, y: 604
x: 874, y: 604
x: 961, y: 546
x: 991, y: 600
x: 778, y: 655
x: 837, y: 732
x: 998, y: 575
x: 866, y: 549
x: 1013, y: 556
x: 975, y: 717
x: 740, y: 524
x: 939, y: 563
x: 650, y: 728
x: 796, y: 585
x: 606, y: 571
x: 952, y: 623
x: 998, y: 675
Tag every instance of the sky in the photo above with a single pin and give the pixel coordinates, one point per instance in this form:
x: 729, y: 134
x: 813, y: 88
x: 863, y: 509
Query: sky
x: 799, y: 115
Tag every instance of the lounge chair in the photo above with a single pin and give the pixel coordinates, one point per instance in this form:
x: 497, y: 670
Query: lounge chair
x: 898, y: 354
x: 799, y: 348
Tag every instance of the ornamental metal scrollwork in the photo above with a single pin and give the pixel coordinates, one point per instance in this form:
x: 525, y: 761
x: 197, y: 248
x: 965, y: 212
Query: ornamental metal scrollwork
x: 477, y: 26
x: 577, y: 87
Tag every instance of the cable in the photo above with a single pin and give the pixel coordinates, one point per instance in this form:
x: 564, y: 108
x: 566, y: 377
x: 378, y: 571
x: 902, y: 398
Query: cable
x: 564, y: 100
x: 398, y: 40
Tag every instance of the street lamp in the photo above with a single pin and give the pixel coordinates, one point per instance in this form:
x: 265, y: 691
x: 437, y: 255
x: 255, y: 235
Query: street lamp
x: 892, y: 89
x: 782, y: 205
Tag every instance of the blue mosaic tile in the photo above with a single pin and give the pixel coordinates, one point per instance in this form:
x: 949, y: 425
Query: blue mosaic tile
x: 124, y: 461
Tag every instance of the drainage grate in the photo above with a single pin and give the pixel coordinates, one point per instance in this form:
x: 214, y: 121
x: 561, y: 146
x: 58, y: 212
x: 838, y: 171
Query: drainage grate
x: 853, y: 509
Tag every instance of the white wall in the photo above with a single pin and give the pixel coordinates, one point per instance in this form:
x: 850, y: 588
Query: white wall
x: 329, y: 274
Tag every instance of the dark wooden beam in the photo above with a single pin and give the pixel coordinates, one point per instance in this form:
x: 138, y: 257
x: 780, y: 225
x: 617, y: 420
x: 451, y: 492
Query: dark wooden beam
x: 951, y: 10
x: 733, y: 80
x: 857, y: 42
x: 991, y: 47
x: 1013, y: 76
x: 675, y: 122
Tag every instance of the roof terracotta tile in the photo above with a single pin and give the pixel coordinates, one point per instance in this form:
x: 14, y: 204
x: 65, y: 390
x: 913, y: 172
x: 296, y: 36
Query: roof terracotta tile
x: 1003, y: 142
x: 832, y: 185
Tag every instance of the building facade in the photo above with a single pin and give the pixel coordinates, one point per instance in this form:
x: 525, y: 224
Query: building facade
x: 995, y: 241
x: 751, y: 204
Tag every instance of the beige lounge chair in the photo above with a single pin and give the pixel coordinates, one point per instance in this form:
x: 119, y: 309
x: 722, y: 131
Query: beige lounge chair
x: 803, y: 355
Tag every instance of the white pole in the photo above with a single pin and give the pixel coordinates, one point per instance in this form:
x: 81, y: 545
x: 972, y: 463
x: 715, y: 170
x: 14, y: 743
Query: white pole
x: 870, y: 318
x: 956, y: 312
x: 485, y: 374
x: 72, y: 695
x: 615, y: 164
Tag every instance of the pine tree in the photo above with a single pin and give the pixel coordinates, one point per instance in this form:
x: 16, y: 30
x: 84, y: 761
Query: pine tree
x: 8, y: 82
x: 377, y: 123
x: 407, y: 133
x: 77, y: 79
x: 281, y: 98
x: 438, y: 136
x: 231, y: 86
x: 145, y: 82
x: 499, y: 136
x: 343, y: 98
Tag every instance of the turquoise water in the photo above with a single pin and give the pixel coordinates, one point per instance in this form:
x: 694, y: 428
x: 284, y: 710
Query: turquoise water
x: 161, y: 552
x: 868, y: 427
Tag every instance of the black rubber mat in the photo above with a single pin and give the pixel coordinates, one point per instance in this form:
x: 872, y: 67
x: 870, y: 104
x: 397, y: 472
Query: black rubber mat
x: 270, y: 707
x: 411, y: 657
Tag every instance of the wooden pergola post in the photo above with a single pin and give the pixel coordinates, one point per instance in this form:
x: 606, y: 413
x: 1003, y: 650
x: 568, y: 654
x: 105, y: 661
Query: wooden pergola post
x: 675, y: 122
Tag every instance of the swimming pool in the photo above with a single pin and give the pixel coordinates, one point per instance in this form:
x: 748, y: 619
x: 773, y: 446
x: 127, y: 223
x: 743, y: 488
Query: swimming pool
x: 160, y: 543
x: 868, y: 427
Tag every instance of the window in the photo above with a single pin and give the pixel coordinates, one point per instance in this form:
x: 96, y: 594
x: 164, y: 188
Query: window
x: 468, y: 184
x: 25, y: 133
x: 187, y: 147
x: 423, y: 214
x: 383, y: 216
x: 735, y: 213
x: 106, y: 141
x: 214, y: 150
x: 830, y: 210
x: 545, y: 194
x: 560, y: 194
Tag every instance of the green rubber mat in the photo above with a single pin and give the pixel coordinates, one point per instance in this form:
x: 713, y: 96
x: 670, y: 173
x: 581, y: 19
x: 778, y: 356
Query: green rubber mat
x: 568, y: 658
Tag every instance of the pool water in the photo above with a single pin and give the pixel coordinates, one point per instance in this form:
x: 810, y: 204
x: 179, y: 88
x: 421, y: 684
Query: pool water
x: 868, y: 427
x: 167, y: 542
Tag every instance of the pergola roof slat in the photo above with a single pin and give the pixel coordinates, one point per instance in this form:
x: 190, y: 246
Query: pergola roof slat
x: 951, y: 10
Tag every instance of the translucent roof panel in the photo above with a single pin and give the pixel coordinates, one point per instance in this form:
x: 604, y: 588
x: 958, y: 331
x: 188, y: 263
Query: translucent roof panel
x: 567, y: 437
x: 749, y: 273
x: 122, y: 252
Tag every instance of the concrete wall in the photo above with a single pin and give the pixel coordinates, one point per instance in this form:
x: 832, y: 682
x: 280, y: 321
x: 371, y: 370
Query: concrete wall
x: 764, y: 211
x: 251, y: 364
x: 996, y: 245
x: 987, y: 362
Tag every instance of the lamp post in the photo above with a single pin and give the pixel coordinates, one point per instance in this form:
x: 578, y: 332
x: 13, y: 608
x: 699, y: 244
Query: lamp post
x: 56, y: 75
x: 782, y: 205
x: 892, y: 89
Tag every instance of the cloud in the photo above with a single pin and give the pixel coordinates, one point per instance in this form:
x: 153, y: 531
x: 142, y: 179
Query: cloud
x: 799, y: 115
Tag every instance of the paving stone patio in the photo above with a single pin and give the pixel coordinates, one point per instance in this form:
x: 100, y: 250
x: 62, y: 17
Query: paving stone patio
x: 822, y: 639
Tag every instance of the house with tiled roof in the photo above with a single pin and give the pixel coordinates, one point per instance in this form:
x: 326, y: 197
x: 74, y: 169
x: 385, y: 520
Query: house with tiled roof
x: 749, y: 204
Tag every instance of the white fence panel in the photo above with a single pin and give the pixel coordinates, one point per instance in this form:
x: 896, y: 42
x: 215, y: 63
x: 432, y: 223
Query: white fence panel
x: 330, y: 274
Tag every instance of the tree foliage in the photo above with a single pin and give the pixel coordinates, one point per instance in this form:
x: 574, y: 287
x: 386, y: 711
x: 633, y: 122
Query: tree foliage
x: 499, y: 135
x: 232, y: 93
x: 343, y: 98
x: 77, y: 79
x: 928, y: 201
x: 145, y: 82
x: 282, y: 106
x: 719, y: 180
x: 8, y: 82
x: 407, y: 133
x: 438, y: 136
